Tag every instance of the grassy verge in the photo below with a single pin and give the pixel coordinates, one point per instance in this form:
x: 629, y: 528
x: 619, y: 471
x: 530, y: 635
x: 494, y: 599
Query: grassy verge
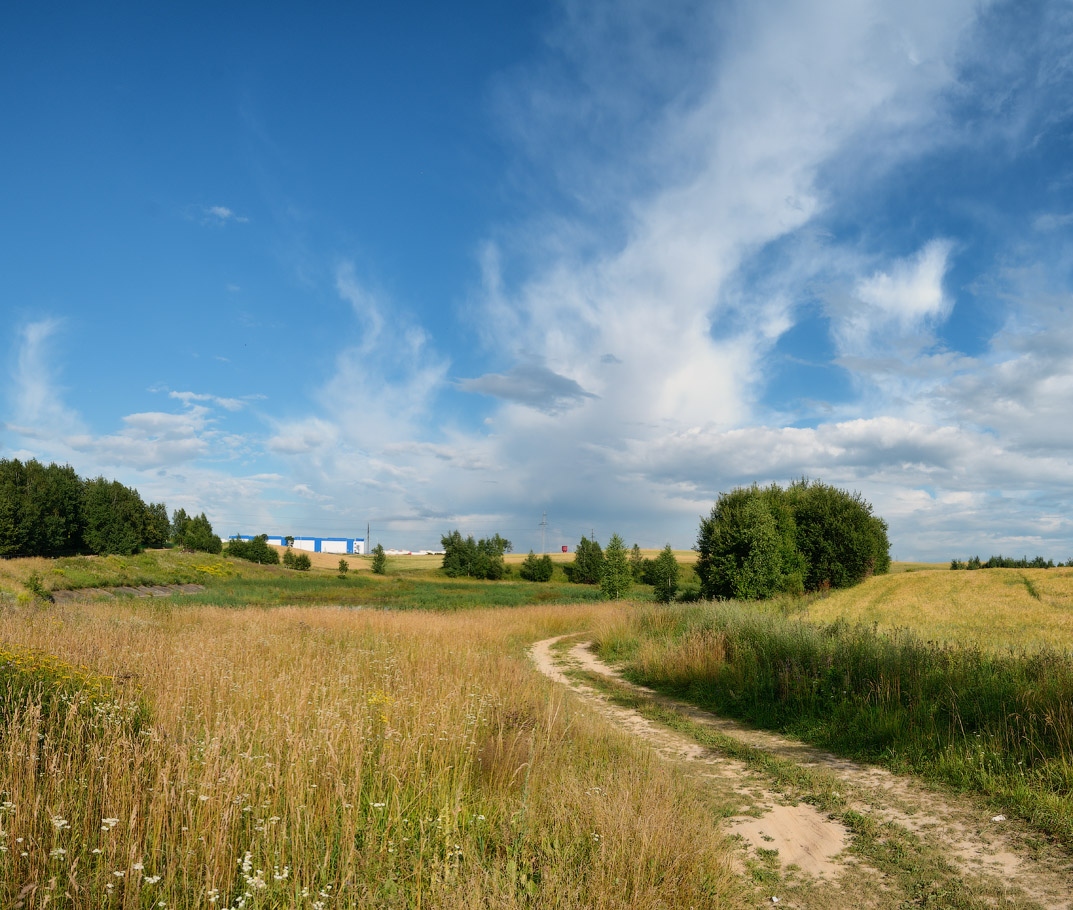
x: 321, y: 758
x: 920, y: 871
x: 411, y: 583
x: 1000, y: 724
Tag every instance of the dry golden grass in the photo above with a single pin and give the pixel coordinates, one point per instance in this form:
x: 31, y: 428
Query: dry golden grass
x: 993, y: 608
x: 324, y: 757
x: 330, y: 561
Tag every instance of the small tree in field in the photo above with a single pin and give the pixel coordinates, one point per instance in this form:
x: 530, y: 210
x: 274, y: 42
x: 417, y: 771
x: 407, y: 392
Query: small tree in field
x: 379, y: 560
x: 344, y: 567
x: 616, y: 578
x: 637, y: 563
x: 588, y: 563
x: 664, y: 575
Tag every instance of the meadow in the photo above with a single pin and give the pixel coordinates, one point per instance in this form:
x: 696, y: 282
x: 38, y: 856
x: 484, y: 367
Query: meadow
x: 293, y: 739
x: 965, y: 678
x: 157, y: 753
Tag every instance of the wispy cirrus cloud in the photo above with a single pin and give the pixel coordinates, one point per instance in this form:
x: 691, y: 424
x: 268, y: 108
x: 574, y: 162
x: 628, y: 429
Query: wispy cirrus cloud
x: 221, y: 215
x: 35, y: 395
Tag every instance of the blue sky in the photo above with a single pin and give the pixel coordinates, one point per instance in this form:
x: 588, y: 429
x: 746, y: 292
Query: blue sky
x: 429, y: 267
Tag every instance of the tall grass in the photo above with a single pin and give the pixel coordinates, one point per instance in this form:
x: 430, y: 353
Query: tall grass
x: 321, y: 758
x: 998, y: 723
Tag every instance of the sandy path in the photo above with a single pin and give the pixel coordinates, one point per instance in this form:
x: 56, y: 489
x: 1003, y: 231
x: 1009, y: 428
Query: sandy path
x: 981, y: 847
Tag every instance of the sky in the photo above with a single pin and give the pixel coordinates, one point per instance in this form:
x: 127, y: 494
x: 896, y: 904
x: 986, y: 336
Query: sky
x: 545, y: 269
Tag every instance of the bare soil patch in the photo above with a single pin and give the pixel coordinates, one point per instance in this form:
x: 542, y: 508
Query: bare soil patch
x: 808, y: 852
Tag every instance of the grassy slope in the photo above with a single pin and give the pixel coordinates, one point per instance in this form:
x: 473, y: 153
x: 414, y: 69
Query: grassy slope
x: 993, y: 608
x: 966, y: 677
x: 412, y: 582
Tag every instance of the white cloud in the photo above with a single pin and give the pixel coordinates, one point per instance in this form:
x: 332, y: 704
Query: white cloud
x: 35, y: 398
x: 912, y: 292
x: 304, y: 437
x: 221, y: 215
x: 229, y: 404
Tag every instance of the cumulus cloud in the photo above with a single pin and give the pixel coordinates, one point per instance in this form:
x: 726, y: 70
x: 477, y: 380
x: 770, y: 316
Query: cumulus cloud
x: 896, y: 303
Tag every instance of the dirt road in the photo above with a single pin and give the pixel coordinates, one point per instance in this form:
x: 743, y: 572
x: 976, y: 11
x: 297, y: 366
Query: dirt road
x: 882, y: 841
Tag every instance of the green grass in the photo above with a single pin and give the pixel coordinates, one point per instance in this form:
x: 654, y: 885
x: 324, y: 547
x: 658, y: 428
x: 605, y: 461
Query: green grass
x: 417, y: 591
x: 416, y: 583
x: 1000, y: 724
x: 923, y: 874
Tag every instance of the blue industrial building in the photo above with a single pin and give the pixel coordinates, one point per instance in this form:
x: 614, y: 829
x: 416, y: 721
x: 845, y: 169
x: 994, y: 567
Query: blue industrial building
x: 352, y: 546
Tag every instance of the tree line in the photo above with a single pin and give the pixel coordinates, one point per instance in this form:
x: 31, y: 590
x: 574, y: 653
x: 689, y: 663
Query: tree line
x: 757, y: 542
x: 1007, y: 562
x: 51, y: 511
x: 614, y: 570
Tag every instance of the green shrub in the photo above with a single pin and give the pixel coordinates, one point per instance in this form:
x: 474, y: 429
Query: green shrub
x: 537, y: 568
x: 344, y: 567
x: 255, y: 550
x: 37, y: 588
x: 194, y: 533
x: 476, y: 559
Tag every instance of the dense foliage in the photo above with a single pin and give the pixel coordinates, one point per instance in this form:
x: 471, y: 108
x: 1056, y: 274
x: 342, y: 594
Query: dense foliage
x: 379, y: 560
x: 662, y: 574
x: 475, y: 559
x: 537, y: 568
x: 298, y: 561
x: 51, y: 511
x: 588, y: 566
x: 760, y: 541
x: 257, y: 549
x: 194, y: 533
x: 40, y: 509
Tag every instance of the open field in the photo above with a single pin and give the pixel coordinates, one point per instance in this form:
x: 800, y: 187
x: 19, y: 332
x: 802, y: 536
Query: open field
x: 992, y: 608
x: 323, y: 757
x: 265, y: 744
